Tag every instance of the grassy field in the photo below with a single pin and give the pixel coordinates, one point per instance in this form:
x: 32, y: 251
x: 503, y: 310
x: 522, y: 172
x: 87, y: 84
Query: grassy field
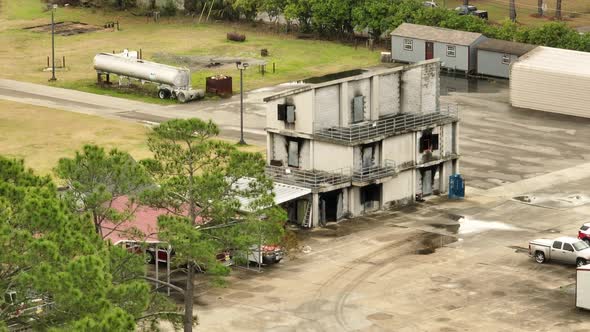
x: 42, y: 135
x: 295, y: 59
x: 575, y: 12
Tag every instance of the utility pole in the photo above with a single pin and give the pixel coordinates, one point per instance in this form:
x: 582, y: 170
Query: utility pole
x: 466, y: 2
x: 241, y: 67
x: 540, y: 7
x: 558, y: 10
x: 53, y: 8
x: 512, y: 11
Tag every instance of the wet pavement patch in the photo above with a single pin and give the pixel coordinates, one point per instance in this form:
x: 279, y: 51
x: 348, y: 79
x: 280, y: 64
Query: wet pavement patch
x: 379, y: 316
x: 429, y: 242
x: 558, y: 201
x: 452, y: 228
x: 518, y: 249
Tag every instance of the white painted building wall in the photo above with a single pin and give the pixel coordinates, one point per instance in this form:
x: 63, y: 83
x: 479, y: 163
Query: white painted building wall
x: 420, y: 89
x: 303, y: 113
x: 329, y: 157
x: 399, y: 188
x: 399, y: 148
x: 389, y: 94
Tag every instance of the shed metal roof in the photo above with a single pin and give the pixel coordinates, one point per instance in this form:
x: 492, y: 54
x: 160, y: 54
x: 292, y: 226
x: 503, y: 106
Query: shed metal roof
x: 505, y: 46
x: 557, y: 60
x: 442, y: 35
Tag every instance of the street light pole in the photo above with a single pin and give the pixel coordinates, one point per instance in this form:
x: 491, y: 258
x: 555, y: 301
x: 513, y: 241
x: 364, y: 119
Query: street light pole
x: 53, y: 44
x: 241, y: 67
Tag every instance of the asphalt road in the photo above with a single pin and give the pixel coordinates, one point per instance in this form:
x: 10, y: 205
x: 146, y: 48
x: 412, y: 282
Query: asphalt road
x: 224, y: 112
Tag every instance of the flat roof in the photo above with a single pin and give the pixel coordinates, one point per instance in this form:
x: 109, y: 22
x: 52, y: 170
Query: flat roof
x: 283, y: 193
x: 556, y: 60
x: 368, y: 74
x: 443, y: 35
x: 505, y: 46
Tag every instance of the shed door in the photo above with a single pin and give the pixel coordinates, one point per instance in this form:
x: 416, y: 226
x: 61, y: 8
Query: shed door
x: 429, y: 51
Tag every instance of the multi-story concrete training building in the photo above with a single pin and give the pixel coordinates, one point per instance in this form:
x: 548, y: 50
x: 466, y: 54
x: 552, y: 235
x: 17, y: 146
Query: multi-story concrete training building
x: 361, y: 143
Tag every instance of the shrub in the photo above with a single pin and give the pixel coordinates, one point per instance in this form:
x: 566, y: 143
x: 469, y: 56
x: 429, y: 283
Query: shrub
x: 234, y: 36
x: 169, y: 9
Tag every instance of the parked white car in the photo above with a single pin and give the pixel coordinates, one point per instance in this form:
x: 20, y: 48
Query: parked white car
x: 564, y: 249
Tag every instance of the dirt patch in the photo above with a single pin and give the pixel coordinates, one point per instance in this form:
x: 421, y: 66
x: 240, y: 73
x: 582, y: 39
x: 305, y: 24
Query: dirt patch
x: 65, y: 28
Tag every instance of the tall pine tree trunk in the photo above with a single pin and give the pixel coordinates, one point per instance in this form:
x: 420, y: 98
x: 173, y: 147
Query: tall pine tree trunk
x: 540, y: 7
x: 188, y: 298
x: 512, y: 11
x: 558, y: 10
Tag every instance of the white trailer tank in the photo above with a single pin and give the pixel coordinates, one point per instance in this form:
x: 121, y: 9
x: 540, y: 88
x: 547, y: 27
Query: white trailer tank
x: 142, y: 69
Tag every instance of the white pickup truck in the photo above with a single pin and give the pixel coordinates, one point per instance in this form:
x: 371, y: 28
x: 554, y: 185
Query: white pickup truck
x: 564, y: 249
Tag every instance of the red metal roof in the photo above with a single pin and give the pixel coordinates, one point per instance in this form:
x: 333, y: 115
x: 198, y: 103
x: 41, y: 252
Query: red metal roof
x: 143, y: 227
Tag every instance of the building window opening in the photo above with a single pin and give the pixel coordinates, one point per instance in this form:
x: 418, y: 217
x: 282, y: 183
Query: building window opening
x: 293, y: 153
x: 428, y: 141
x: 286, y: 113
x: 358, y: 109
x: 408, y: 44
x: 331, y: 206
x: 370, y: 197
x: 368, y: 156
x: 451, y: 51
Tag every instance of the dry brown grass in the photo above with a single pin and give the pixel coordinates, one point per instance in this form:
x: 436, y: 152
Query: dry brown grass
x: 41, y: 135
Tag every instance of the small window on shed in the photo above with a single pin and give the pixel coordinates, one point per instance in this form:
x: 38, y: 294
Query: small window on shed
x: 506, y: 59
x: 408, y: 44
x: 358, y: 109
x: 451, y: 51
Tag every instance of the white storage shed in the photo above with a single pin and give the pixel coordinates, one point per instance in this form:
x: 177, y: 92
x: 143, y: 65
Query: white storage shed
x: 552, y: 80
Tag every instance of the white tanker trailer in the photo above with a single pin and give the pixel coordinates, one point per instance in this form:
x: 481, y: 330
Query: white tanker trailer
x: 172, y: 81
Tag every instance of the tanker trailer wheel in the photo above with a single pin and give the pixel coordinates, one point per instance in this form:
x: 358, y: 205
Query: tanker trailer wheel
x: 164, y: 93
x: 181, y: 96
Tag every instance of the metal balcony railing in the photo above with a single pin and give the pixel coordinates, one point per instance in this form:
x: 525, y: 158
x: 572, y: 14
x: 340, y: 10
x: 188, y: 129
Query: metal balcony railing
x: 385, y: 126
x: 308, y: 178
x: 371, y: 173
x: 315, y: 179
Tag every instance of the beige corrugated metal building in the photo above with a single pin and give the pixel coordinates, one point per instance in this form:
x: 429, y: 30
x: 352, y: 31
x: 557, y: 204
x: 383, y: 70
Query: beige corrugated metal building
x: 552, y: 80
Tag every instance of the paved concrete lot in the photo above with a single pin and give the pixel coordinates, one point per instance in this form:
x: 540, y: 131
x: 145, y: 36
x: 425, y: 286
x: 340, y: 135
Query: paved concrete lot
x: 438, y: 266
x: 501, y: 144
x: 441, y: 265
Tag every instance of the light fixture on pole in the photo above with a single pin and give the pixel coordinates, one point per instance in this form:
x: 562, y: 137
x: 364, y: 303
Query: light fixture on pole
x: 53, y: 8
x: 241, y: 67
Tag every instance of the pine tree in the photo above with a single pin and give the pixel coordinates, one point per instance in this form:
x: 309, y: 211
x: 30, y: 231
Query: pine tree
x: 204, y: 183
